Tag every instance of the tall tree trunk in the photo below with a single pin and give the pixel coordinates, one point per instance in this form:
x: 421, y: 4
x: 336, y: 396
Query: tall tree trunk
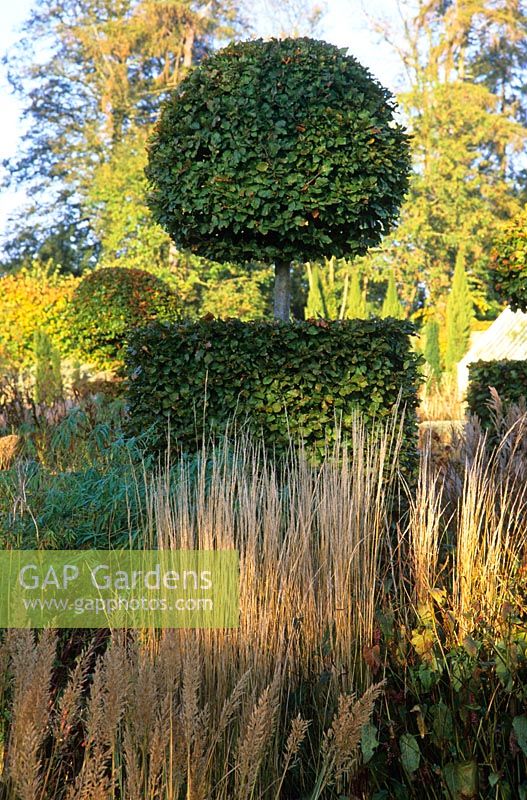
x: 282, y: 290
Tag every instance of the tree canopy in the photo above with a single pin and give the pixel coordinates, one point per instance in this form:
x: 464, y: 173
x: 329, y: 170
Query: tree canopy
x: 89, y: 73
x: 464, y: 101
x: 91, y: 76
x: 278, y: 151
x: 509, y: 263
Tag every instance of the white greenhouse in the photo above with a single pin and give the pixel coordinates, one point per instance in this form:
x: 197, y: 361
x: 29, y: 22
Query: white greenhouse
x: 506, y: 338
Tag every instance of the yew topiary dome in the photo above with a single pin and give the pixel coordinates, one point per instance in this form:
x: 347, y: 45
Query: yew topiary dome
x: 278, y: 151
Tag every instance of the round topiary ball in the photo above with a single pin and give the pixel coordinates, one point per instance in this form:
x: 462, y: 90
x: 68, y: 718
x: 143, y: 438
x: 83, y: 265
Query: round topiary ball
x: 278, y: 151
x: 108, y: 303
x: 509, y: 264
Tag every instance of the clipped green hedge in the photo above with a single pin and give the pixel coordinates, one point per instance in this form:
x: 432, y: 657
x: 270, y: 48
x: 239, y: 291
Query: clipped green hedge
x: 277, y: 151
x: 107, y: 303
x: 509, y: 378
x: 284, y: 380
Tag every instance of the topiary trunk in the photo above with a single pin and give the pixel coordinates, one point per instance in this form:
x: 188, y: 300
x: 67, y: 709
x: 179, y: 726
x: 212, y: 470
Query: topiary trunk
x: 282, y: 290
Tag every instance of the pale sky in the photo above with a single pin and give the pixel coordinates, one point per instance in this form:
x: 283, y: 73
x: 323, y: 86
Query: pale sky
x: 345, y: 24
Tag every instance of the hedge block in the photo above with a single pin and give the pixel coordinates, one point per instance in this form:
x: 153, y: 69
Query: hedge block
x: 508, y: 377
x: 285, y: 381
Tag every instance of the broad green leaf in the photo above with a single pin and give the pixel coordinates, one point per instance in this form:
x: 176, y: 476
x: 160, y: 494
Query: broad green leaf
x: 368, y: 742
x: 461, y: 779
x: 519, y: 725
x: 410, y: 753
x: 442, y: 724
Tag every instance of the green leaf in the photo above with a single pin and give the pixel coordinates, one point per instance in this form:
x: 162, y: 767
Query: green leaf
x: 471, y: 646
x: 519, y: 725
x: 369, y: 742
x: 461, y: 779
x: 442, y: 724
x: 410, y: 753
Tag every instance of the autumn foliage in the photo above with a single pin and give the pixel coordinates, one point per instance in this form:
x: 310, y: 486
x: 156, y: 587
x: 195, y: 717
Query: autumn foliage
x: 509, y: 264
x: 30, y: 300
